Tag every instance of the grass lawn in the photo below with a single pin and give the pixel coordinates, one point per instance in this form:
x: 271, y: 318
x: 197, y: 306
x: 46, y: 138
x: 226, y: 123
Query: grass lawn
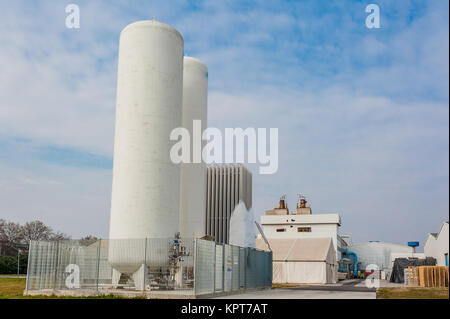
x: 412, y: 293
x: 12, y: 288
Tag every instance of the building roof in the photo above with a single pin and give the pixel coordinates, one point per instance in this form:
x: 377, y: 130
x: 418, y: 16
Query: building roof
x: 280, y: 247
x: 440, y: 229
x: 299, y: 249
x: 436, y: 235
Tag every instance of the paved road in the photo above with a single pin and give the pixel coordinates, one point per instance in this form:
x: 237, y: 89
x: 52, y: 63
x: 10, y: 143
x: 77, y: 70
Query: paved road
x: 354, y: 289
x: 283, y: 293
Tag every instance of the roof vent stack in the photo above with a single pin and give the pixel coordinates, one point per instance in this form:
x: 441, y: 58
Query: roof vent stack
x: 302, y: 209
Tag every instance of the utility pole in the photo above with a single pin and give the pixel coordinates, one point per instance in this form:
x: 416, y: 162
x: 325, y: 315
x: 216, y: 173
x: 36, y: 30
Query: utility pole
x: 18, y: 247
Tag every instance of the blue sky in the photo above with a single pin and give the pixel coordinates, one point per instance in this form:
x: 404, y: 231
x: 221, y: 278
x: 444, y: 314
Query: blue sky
x: 362, y: 113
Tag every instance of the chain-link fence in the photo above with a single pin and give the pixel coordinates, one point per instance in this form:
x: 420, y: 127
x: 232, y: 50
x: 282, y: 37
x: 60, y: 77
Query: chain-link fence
x: 171, y: 266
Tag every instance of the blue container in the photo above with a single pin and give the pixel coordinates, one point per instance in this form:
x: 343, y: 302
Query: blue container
x: 413, y: 244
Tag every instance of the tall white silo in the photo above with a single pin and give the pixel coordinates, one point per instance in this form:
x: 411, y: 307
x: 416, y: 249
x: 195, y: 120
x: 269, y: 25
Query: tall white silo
x: 193, y: 175
x: 145, y: 188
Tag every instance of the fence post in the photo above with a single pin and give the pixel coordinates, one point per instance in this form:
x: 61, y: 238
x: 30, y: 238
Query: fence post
x: 239, y: 268
x: 232, y: 266
x: 255, y: 270
x: 55, y: 278
x: 98, y: 263
x: 39, y: 255
x: 215, y: 268
x: 195, y: 266
x: 223, y: 267
x: 245, y: 267
x: 28, y: 266
x: 145, y: 264
x: 271, y: 268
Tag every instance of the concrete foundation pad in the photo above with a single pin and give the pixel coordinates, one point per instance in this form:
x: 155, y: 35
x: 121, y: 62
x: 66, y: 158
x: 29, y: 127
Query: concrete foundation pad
x: 167, y: 294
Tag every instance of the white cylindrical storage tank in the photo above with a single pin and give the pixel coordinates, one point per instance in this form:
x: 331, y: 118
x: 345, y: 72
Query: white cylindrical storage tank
x: 193, y: 175
x: 145, y: 188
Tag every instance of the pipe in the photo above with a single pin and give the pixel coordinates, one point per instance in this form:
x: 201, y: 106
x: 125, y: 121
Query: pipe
x: 355, y: 260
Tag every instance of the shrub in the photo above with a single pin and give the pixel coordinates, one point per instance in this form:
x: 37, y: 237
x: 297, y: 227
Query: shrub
x: 8, y: 265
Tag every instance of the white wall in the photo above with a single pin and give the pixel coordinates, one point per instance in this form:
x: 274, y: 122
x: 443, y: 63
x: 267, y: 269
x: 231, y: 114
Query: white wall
x: 301, y: 219
x: 322, y: 226
x: 377, y: 253
x: 300, y: 272
x: 438, y: 247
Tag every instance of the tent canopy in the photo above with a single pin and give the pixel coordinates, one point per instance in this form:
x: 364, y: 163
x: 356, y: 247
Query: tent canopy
x: 299, y: 249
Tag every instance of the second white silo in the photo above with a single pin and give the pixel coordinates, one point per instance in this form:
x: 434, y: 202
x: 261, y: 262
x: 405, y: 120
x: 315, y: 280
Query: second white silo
x: 145, y: 188
x: 193, y: 175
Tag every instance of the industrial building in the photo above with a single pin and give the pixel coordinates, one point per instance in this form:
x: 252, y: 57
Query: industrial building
x: 300, y: 243
x: 436, y: 245
x: 188, y: 226
x: 159, y: 90
x: 304, y: 245
x: 381, y: 254
x: 170, y: 223
x: 301, y: 223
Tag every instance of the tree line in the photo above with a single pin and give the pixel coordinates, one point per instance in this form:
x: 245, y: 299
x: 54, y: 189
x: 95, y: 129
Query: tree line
x: 14, y: 240
x: 12, y: 234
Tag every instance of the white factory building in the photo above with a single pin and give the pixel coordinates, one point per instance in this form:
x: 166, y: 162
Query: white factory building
x: 436, y: 245
x: 381, y: 254
x: 305, y: 246
x: 280, y: 223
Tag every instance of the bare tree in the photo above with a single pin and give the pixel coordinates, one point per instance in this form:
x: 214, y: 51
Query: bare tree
x: 2, y: 226
x: 59, y: 236
x: 3, y: 246
x: 88, y: 240
x: 36, y: 230
x: 10, y: 233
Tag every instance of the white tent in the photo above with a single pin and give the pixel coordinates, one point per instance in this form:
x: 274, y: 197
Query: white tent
x: 302, y: 260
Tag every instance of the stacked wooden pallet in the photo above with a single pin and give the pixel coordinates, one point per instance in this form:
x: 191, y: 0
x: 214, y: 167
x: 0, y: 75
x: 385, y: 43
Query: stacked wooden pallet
x: 427, y: 276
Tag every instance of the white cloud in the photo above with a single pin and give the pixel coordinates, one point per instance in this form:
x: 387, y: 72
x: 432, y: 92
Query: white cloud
x: 370, y: 158
x: 362, y: 116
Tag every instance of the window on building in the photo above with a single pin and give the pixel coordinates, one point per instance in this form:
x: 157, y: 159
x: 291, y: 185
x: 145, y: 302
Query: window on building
x: 280, y: 230
x: 304, y: 229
